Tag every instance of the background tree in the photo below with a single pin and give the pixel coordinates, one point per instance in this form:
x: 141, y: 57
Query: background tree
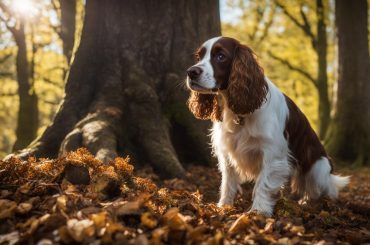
x: 287, y: 49
x: 349, y: 134
x: 122, y: 93
x: 67, y: 11
x: 46, y: 62
x: 27, y: 123
x: 319, y: 44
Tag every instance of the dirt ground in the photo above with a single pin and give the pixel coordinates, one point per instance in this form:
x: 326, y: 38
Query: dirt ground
x: 79, y: 200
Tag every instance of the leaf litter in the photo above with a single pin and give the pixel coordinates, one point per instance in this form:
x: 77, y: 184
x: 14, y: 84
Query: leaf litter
x: 78, y: 199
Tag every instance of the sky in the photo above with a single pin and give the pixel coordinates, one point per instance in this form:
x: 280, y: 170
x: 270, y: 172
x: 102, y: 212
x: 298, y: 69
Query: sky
x: 229, y: 14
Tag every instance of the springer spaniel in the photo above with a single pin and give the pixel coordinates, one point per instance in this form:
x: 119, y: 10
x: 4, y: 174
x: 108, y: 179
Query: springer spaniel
x: 258, y: 132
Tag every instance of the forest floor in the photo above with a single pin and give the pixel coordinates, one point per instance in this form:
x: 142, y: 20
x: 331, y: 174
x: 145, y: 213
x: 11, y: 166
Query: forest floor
x: 77, y: 199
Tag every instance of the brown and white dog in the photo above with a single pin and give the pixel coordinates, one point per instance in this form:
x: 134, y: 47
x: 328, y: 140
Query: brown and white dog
x: 258, y: 133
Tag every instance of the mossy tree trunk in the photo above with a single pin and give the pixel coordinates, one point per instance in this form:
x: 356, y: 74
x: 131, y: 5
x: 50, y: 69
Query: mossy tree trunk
x: 124, y: 92
x: 349, y: 135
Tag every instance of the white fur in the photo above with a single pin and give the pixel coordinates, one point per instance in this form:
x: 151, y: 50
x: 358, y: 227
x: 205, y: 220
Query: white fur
x: 206, y: 79
x: 319, y: 180
x: 258, y: 151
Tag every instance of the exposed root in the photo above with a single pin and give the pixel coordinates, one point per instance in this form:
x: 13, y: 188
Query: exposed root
x: 71, y: 142
x: 152, y: 130
x: 97, y: 133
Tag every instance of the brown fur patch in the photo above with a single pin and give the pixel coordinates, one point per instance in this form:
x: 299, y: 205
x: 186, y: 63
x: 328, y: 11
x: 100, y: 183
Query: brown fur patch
x: 204, y: 106
x: 302, y: 139
x: 247, y: 88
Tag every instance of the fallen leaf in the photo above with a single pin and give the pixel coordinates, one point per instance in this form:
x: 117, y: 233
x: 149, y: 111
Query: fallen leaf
x: 240, y: 224
x: 7, y: 208
x: 62, y: 202
x: 23, y: 208
x: 10, y: 238
x: 148, y: 220
x: 80, y: 229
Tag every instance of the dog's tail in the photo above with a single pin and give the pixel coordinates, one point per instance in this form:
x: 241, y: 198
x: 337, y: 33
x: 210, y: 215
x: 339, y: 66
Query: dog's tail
x: 337, y: 183
x: 320, y: 180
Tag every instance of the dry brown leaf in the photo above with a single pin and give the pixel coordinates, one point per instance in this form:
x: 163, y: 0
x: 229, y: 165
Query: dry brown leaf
x: 174, y: 219
x: 99, y: 219
x: 240, y: 224
x: 128, y: 208
x: 10, y: 238
x: 148, y: 220
x: 23, y: 207
x: 80, y: 229
x: 62, y: 202
x: 7, y: 208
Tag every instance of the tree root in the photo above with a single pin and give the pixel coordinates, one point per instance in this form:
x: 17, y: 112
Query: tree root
x: 97, y: 133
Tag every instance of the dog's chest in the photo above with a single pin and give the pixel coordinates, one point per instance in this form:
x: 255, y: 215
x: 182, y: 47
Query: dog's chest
x: 242, y: 148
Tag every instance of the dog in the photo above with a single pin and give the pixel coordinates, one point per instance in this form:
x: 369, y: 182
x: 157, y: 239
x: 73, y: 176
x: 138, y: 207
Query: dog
x: 259, y: 134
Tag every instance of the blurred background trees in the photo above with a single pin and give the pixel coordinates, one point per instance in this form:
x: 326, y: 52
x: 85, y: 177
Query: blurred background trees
x: 296, y: 42
x: 34, y: 36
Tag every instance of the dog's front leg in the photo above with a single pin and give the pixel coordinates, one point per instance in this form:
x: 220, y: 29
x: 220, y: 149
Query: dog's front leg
x: 229, y: 184
x: 275, y: 172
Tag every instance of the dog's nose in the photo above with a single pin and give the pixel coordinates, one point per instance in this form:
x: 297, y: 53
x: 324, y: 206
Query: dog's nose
x: 194, y: 72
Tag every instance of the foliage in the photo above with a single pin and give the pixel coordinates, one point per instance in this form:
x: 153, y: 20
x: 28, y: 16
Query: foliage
x: 79, y: 199
x: 46, y: 61
x: 269, y: 32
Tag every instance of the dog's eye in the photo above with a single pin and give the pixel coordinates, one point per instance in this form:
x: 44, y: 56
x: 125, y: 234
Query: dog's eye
x: 220, y: 57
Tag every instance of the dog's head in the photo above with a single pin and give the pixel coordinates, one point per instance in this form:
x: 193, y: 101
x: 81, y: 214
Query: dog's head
x: 223, y: 64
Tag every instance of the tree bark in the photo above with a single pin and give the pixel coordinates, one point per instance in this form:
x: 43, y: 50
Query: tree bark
x: 123, y: 93
x: 349, y: 135
x: 27, y: 122
x: 322, y: 77
x: 68, y: 26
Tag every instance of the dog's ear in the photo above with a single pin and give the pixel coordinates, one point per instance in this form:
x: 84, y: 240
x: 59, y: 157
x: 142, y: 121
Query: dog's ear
x: 204, y: 106
x: 247, y: 88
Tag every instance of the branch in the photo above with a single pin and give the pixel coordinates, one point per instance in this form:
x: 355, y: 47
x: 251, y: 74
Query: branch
x: 294, y: 68
x: 8, y: 94
x: 51, y: 82
x: 258, y: 19
x: 12, y: 29
x: 5, y: 58
x: 305, y: 27
x: 48, y: 101
x: 268, y: 25
x: 5, y: 74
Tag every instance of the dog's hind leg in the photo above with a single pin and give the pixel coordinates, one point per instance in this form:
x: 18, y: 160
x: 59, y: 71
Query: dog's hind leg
x: 320, y: 181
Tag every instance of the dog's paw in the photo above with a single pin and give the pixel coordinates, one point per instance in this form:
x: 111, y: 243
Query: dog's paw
x: 221, y: 204
x: 265, y: 212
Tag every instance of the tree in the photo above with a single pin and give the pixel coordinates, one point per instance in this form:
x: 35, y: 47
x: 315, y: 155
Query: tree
x: 67, y: 10
x: 27, y: 122
x: 122, y: 92
x: 349, y: 134
x: 319, y: 44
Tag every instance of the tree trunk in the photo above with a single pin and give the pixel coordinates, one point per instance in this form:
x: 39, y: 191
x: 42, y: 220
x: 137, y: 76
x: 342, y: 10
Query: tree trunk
x: 322, y: 77
x: 27, y: 123
x: 319, y: 44
x: 68, y: 26
x: 349, y: 134
x: 124, y: 92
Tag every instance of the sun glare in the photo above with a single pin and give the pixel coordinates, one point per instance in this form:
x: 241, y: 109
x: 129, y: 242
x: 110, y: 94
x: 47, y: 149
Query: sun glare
x: 25, y: 8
